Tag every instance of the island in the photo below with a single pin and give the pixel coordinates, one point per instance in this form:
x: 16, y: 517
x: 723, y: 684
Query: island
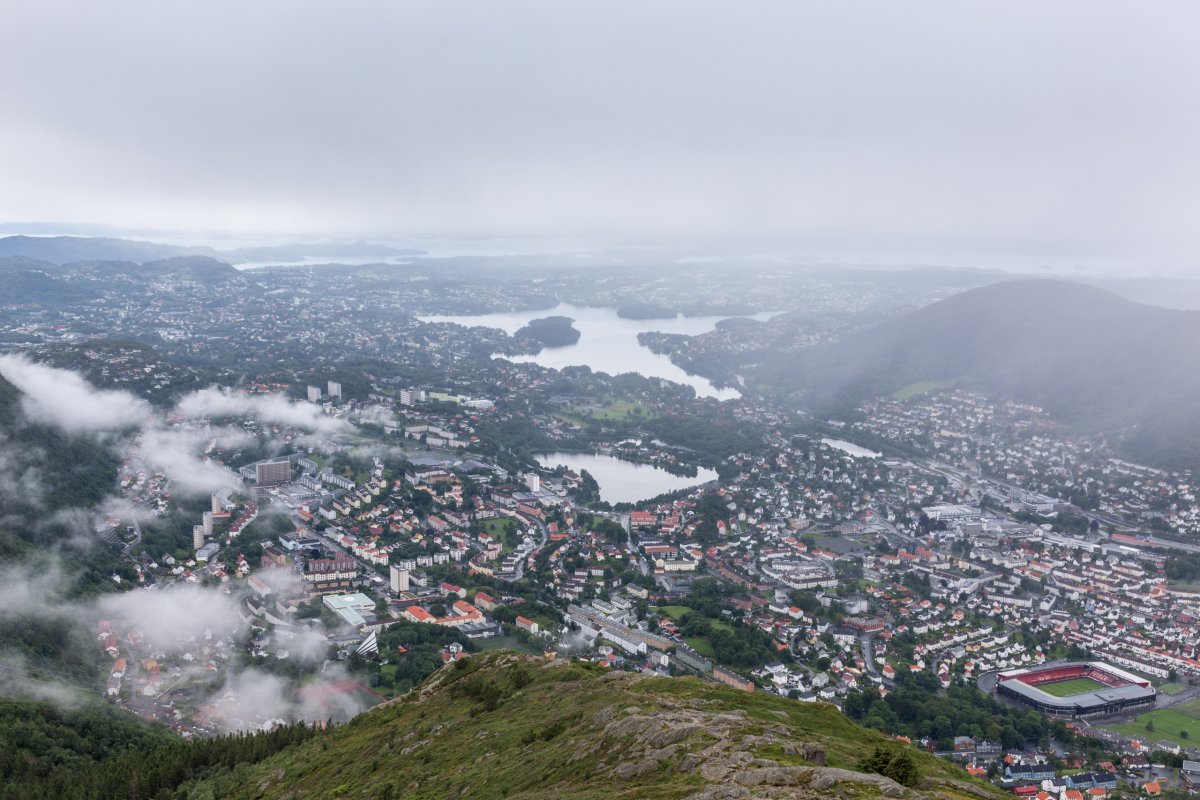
x: 550, y: 331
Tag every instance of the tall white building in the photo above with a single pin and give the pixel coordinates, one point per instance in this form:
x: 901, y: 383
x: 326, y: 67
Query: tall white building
x: 399, y: 579
x: 335, y: 389
x: 207, y: 523
x: 314, y: 394
x: 409, y: 397
x: 197, y: 536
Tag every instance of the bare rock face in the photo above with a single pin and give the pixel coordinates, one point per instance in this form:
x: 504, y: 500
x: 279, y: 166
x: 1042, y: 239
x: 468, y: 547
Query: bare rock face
x: 721, y: 750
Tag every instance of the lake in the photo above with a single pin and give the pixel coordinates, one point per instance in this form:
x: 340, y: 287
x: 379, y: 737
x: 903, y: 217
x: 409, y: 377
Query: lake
x: 623, y: 481
x: 850, y: 448
x: 607, y: 343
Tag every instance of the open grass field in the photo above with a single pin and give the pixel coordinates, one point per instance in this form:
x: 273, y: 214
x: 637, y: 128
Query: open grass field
x: 1172, y: 688
x: 1168, y: 724
x: 507, y: 643
x: 1191, y: 708
x: 674, y: 612
x: 505, y: 530
x: 498, y: 526
x: 613, y: 411
x: 1073, y: 686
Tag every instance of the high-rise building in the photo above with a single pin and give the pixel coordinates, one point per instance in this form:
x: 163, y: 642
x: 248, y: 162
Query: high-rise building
x: 533, y: 481
x: 335, y: 389
x: 410, y: 397
x: 207, y: 523
x: 314, y: 394
x: 277, y: 471
x: 399, y: 579
x: 197, y: 536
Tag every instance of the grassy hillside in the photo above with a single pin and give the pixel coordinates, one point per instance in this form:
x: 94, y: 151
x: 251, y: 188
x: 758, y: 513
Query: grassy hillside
x: 502, y: 725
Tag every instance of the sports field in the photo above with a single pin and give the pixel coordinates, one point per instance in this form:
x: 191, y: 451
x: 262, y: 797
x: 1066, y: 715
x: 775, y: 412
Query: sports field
x: 1168, y: 723
x: 1073, y: 686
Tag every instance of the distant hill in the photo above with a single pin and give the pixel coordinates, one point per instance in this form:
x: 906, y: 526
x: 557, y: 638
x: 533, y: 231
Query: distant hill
x: 1089, y: 357
x: 28, y: 280
x: 502, y: 725
x: 198, y: 268
x: 298, y: 251
x: 32, y: 280
x: 66, y: 249
x: 70, y: 249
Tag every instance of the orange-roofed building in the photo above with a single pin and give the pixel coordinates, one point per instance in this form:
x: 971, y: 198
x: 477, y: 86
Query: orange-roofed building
x: 418, y: 614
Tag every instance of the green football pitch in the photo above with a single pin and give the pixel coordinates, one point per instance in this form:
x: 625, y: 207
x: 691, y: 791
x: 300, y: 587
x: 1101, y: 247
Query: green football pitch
x: 1073, y: 686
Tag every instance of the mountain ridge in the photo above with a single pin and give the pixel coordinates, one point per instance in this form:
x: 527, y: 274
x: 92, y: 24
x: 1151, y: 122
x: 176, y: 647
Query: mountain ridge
x: 68, y: 249
x: 504, y: 725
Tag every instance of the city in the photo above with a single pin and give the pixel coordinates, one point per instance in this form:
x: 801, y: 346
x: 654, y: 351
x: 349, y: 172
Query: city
x: 931, y: 539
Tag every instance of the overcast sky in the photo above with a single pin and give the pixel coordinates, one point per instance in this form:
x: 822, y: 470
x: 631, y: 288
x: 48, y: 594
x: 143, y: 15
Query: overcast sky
x: 1063, y: 129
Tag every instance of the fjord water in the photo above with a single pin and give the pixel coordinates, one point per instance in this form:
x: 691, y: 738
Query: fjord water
x: 607, y: 343
x: 624, y: 481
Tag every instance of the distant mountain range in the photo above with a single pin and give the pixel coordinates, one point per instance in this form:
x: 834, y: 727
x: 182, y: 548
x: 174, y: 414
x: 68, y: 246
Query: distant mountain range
x: 72, y: 249
x: 30, y: 280
x: 1092, y: 359
x: 67, y: 249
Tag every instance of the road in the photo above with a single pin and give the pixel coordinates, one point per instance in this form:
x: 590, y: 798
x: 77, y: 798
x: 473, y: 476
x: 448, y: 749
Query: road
x: 137, y: 535
x: 868, y: 653
x: 544, y: 533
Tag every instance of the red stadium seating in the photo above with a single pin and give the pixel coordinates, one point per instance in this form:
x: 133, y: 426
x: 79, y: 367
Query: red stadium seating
x: 1058, y: 674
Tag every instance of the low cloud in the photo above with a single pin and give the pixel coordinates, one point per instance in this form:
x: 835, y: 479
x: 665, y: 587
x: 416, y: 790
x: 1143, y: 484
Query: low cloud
x: 282, y: 580
x: 65, y: 399
x: 20, y: 479
x: 119, y: 508
x: 174, y: 619
x: 181, y: 619
x: 178, y: 619
x: 19, y: 679
x: 272, y: 408
x: 306, y: 645
x: 256, y: 699
x: 175, y: 452
x: 32, y: 588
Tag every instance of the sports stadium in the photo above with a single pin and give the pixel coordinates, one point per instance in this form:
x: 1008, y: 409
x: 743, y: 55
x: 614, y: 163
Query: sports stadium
x: 1077, y: 689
